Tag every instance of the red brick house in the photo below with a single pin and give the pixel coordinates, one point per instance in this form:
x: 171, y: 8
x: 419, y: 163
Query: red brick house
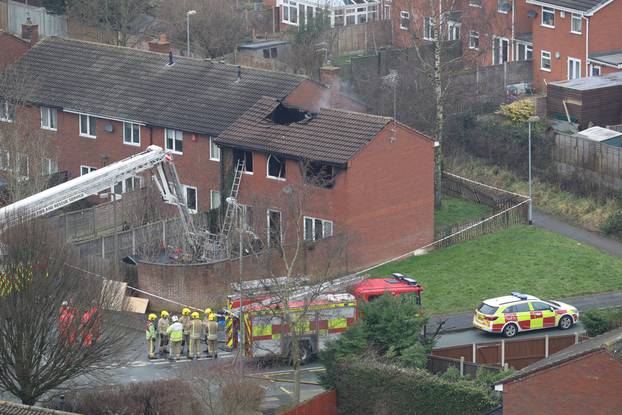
x: 575, y: 38
x: 100, y: 103
x: 583, y: 379
x: 376, y: 184
x: 490, y: 32
x: 11, y: 48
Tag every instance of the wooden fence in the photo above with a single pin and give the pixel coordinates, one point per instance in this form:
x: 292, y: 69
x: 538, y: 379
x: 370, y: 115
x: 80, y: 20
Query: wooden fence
x: 323, y: 404
x: 361, y: 37
x: 598, y: 164
x: 440, y: 364
x: 517, y: 354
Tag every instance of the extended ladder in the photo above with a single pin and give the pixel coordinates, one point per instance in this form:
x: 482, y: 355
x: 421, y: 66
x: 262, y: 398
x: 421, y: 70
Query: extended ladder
x: 230, y: 212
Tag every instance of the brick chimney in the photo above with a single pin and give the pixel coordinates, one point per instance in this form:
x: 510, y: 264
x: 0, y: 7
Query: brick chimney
x: 161, y: 45
x: 329, y: 76
x: 30, y: 31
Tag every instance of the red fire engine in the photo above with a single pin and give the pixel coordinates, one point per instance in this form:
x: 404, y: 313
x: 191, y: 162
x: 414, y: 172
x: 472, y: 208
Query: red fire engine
x: 327, y: 315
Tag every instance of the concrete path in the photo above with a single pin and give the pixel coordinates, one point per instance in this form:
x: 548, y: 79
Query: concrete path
x: 463, y: 321
x: 596, y: 240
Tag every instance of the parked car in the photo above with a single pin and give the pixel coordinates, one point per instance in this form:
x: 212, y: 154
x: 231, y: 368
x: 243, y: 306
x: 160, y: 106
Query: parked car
x: 518, y: 312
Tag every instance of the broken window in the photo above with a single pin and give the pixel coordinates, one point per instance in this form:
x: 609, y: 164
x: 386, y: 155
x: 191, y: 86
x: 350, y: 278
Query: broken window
x: 276, y: 167
x: 274, y: 228
x: 245, y: 155
x: 320, y: 174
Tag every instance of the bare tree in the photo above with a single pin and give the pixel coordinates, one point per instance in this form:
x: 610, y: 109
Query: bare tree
x: 27, y: 155
x: 283, y: 258
x: 312, y: 43
x: 112, y: 15
x: 54, y: 323
x: 216, y: 28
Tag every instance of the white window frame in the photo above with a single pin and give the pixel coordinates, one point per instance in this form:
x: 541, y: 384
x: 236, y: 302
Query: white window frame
x: 573, y: 17
x: 571, y: 63
x: 429, y: 29
x: 290, y: 7
x: 283, y: 160
x: 454, y: 30
x: 175, y: 139
x: 502, y: 41
x: 595, y: 67
x: 5, y: 160
x: 196, y: 198
x: 268, y: 211
x: 48, y: 166
x: 550, y: 59
x: 473, y: 35
x: 5, y: 114
x: 313, y: 220
x: 89, y: 119
x: 524, y: 56
x: 19, y: 157
x: 387, y: 12
x: 501, y: 3
x: 131, y: 141
x: 475, y: 3
x: 52, y: 119
x: 124, y: 188
x: 404, y: 15
x: 86, y: 169
x: 214, y: 150
x: 547, y: 10
x: 212, y: 195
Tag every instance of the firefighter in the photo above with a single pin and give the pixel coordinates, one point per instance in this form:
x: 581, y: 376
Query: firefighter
x: 208, y: 311
x: 176, y: 335
x: 150, y: 335
x: 196, y: 328
x: 66, y: 328
x: 212, y: 336
x: 163, y: 325
x: 89, y: 326
x: 185, y: 322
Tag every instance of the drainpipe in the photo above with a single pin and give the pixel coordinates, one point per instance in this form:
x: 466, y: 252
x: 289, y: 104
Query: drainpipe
x: 150, y: 135
x: 513, y: 42
x: 587, y: 44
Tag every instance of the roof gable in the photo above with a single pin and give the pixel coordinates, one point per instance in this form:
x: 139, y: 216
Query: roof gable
x: 584, y: 6
x: 193, y: 95
x: 332, y: 136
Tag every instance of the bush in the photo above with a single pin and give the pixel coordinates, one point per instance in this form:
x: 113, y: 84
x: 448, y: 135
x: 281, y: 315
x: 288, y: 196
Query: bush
x: 370, y: 387
x: 613, y: 224
x: 601, y: 320
x: 518, y: 111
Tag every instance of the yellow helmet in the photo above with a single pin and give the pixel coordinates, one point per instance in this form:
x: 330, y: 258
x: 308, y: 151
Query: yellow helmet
x: 185, y: 311
x: 164, y: 313
x: 211, y: 317
x: 208, y: 311
x: 195, y: 315
x: 152, y: 317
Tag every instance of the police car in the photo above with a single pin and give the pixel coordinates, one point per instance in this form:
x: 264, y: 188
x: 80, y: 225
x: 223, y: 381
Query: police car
x: 521, y: 312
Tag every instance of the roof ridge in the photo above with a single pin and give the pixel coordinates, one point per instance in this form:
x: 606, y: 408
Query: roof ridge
x: 387, y: 118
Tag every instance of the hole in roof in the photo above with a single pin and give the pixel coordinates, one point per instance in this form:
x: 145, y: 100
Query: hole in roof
x: 287, y: 115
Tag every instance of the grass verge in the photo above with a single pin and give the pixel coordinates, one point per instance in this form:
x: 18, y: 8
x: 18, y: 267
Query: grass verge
x: 584, y: 211
x: 521, y: 258
x: 455, y: 211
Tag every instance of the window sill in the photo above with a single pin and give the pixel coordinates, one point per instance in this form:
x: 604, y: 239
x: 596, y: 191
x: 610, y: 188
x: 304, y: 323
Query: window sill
x: 502, y: 12
x: 403, y: 28
x: 547, y: 26
x: 131, y: 144
x: 7, y: 120
x: 431, y: 39
x: 476, y: 49
x: 49, y: 129
x: 88, y: 136
x: 250, y: 173
x: 280, y: 179
x: 576, y: 33
x: 214, y: 159
x: 545, y: 70
x: 175, y: 151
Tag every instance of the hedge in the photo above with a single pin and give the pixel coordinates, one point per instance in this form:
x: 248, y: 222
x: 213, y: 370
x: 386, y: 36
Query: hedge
x: 370, y: 387
x: 599, y: 321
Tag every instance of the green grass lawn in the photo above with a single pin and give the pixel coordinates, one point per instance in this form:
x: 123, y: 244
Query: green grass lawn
x: 454, y: 211
x: 522, y: 258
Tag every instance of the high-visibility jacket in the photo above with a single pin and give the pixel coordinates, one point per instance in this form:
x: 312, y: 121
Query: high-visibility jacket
x: 185, y: 321
x: 212, y: 330
x: 150, y: 330
x: 176, y: 332
x: 196, y: 329
x: 163, y: 324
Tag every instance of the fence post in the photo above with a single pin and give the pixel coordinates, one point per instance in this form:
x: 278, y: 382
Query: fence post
x: 576, y: 338
x: 133, y: 241
x: 502, y: 352
x: 474, y: 359
x: 461, y: 365
x: 103, y: 248
x: 546, y: 346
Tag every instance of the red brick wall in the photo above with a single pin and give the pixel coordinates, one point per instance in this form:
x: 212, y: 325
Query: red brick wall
x: 587, y: 385
x: 11, y: 48
x: 386, y: 199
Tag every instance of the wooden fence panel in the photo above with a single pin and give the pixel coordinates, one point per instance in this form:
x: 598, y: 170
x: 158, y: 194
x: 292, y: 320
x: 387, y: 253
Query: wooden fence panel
x: 322, y: 404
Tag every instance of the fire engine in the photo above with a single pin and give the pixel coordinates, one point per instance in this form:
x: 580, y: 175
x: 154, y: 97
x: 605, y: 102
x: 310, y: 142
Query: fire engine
x: 327, y: 314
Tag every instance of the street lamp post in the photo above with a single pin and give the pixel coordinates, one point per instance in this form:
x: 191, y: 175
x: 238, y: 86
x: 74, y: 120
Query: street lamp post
x: 188, y: 14
x: 234, y: 203
x: 531, y: 120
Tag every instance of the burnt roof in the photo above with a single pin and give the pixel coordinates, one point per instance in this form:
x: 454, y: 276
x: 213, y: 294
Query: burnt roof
x: 612, y: 340
x: 331, y: 135
x: 130, y: 84
x: 578, y: 5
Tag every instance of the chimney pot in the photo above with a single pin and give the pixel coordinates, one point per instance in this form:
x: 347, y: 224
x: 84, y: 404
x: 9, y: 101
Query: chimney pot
x: 161, y: 45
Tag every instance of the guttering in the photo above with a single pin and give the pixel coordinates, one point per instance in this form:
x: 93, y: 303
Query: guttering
x: 587, y: 44
x: 556, y: 7
x: 513, y: 40
x: 104, y: 117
